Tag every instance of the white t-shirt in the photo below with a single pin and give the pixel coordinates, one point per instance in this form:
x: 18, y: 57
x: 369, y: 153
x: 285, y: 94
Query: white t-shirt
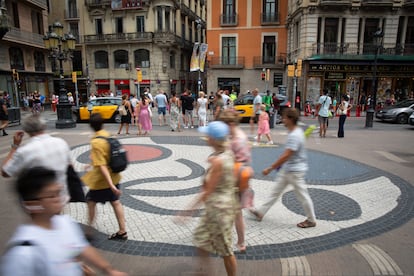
x: 134, y: 101
x: 298, y: 160
x: 52, y: 252
x: 325, y: 102
x: 257, y: 101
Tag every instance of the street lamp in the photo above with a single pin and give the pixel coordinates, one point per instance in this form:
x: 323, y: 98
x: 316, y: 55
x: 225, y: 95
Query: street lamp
x: 61, y: 46
x: 198, y: 21
x: 369, y: 119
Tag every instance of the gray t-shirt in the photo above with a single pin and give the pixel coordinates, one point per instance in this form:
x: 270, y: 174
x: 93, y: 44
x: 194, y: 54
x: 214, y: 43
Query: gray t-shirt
x: 325, y: 102
x: 296, y: 142
x: 257, y: 101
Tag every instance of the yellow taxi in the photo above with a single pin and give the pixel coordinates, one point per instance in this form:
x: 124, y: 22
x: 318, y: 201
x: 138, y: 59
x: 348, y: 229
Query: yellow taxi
x: 244, y: 105
x: 106, y: 106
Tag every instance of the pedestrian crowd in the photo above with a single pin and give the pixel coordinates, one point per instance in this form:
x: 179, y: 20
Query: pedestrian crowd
x: 43, y: 189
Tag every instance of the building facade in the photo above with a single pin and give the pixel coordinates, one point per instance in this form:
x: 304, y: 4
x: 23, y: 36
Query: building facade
x: 120, y: 38
x: 245, y: 39
x: 347, y: 45
x: 23, y: 59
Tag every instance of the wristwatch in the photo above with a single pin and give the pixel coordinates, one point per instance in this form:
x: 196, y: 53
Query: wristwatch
x: 14, y: 146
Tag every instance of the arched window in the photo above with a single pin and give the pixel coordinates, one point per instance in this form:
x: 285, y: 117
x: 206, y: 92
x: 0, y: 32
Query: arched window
x: 121, y: 59
x: 39, y: 60
x: 16, y: 58
x: 142, y: 58
x: 101, y: 59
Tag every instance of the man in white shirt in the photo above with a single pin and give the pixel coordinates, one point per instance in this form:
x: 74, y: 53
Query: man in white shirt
x: 41, y: 150
x: 161, y: 103
x: 257, y: 102
x: 134, y: 101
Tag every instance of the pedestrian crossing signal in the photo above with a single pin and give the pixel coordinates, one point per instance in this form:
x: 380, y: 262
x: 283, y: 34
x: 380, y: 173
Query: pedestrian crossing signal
x: 263, y: 76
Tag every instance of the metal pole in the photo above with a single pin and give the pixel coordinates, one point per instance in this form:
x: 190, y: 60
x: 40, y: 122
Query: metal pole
x: 369, y: 119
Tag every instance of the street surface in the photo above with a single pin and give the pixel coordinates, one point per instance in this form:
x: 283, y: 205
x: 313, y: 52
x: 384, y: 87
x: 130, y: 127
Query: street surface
x: 361, y: 186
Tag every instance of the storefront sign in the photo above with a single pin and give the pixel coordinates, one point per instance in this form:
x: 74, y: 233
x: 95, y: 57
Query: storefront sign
x: 334, y: 76
x: 348, y: 68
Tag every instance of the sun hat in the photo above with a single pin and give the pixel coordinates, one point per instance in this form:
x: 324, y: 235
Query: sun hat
x: 217, y: 130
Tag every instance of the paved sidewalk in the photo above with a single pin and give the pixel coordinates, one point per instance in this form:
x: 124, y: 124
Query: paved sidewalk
x: 364, y: 213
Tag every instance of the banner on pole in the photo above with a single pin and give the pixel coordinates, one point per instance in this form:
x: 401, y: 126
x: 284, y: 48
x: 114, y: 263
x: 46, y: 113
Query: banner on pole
x: 195, y: 58
x: 202, y: 55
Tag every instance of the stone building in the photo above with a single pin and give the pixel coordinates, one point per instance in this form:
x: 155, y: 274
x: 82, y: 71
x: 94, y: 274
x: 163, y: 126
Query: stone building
x: 354, y: 47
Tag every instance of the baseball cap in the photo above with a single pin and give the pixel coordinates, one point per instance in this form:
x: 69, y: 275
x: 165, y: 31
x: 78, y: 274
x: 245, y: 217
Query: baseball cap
x: 217, y: 130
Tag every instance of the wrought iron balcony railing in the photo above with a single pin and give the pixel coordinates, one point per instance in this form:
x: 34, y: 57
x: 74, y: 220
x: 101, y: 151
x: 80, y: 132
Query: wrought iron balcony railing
x: 227, y: 62
x: 355, y: 49
x: 229, y: 19
x: 118, y: 38
x: 269, y: 18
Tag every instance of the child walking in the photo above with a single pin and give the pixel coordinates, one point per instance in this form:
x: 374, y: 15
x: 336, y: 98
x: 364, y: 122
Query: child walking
x: 263, y: 126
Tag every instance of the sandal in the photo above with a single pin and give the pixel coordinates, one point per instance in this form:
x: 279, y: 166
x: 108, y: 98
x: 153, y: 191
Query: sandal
x: 306, y: 224
x: 241, y: 249
x: 256, y: 213
x: 117, y: 236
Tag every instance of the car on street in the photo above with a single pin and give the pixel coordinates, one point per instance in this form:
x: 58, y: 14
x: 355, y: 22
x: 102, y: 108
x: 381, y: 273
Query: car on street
x: 398, y: 113
x: 244, y: 105
x: 411, y: 119
x: 106, y: 106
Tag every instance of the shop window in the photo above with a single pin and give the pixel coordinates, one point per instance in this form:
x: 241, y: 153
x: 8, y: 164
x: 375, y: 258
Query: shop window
x: 101, y: 59
x: 39, y: 60
x: 142, y: 58
x: 121, y: 59
x: 16, y: 58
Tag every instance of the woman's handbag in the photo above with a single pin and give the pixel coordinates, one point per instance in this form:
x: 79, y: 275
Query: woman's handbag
x: 75, y: 185
x: 122, y: 110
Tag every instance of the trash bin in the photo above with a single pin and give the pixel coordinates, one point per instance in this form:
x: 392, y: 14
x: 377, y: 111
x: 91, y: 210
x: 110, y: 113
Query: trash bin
x: 271, y: 119
x: 14, y: 115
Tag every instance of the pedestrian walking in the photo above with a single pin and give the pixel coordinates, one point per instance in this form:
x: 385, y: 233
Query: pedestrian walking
x: 218, y: 105
x: 257, y: 102
x: 263, y: 126
x: 125, y: 118
x: 239, y: 144
x: 144, y: 116
x: 214, y: 232
x: 134, y: 102
x: 343, y: 109
x: 174, y: 112
x: 104, y: 185
x: 4, y: 114
x: 201, y: 109
x: 187, y: 104
x: 49, y: 244
x: 161, y: 103
x: 292, y: 166
x: 40, y: 150
x: 323, y: 106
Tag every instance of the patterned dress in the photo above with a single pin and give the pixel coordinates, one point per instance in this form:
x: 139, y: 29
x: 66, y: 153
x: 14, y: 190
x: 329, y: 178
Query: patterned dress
x: 214, y: 233
x: 174, y: 115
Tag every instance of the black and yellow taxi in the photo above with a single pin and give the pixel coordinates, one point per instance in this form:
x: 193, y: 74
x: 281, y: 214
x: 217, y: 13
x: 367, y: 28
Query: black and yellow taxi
x: 106, y: 106
x: 244, y: 105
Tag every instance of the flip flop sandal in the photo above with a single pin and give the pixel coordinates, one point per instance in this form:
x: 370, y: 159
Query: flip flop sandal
x: 306, y: 224
x: 117, y: 236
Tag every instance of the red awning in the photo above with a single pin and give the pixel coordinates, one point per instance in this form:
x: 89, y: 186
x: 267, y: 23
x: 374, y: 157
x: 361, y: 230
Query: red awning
x: 101, y: 82
x: 143, y: 82
x: 122, y: 82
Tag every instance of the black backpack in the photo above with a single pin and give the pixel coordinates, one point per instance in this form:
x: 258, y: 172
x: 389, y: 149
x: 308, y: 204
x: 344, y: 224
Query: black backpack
x: 118, y: 160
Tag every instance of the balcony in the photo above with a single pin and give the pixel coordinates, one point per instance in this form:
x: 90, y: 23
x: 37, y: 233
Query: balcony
x: 118, y: 38
x: 269, y: 18
x: 377, y: 3
x: 38, y: 3
x: 164, y: 38
x: 273, y: 62
x: 336, y: 3
x: 229, y: 20
x: 72, y: 15
x: 409, y: 3
x: 226, y: 62
x: 361, y: 51
x: 94, y: 4
x: 22, y: 37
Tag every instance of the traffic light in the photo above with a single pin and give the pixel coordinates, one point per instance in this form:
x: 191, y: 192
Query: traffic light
x: 74, y: 77
x: 299, y: 68
x: 139, y: 75
x: 15, y: 74
x: 263, y: 74
x: 291, y: 70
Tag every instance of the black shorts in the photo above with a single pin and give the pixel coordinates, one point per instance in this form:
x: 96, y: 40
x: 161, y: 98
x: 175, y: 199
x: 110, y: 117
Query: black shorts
x: 102, y: 196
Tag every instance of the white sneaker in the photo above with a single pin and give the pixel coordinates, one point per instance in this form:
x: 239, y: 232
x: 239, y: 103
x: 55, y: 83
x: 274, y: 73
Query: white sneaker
x: 255, y: 144
x: 270, y: 143
x: 185, y: 126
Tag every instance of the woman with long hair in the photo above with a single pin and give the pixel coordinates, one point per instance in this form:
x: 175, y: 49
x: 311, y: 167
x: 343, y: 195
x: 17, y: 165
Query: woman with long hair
x: 125, y: 118
x: 174, y: 112
x: 144, y: 117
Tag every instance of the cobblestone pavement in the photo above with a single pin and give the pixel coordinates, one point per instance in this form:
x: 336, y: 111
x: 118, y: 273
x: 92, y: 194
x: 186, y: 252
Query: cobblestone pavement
x: 364, y: 213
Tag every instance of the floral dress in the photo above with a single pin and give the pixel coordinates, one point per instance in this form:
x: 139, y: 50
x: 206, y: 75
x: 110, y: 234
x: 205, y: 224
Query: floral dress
x: 214, y: 233
x: 174, y: 115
